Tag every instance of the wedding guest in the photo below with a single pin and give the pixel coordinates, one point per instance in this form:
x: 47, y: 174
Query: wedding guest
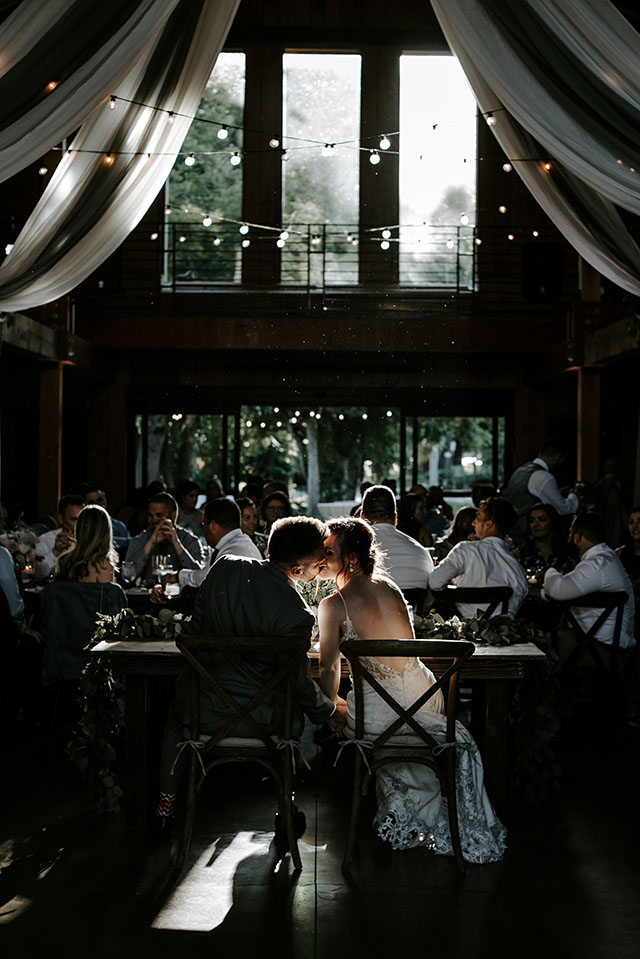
x: 408, y: 563
x: 461, y: 529
x: 545, y: 542
x: 486, y: 561
x: 164, y: 537
x: 412, y: 511
x: 249, y: 523
x: 534, y: 482
x: 189, y: 517
x: 97, y: 496
x: 53, y: 543
x: 274, y: 506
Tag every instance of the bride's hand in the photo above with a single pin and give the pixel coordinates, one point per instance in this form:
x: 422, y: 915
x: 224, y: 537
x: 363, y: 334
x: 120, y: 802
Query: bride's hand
x: 338, y: 720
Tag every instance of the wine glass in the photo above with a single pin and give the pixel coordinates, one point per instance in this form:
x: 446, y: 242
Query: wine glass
x: 161, y: 564
x: 128, y: 573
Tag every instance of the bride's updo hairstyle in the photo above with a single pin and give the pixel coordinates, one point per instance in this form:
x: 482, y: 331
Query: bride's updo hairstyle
x: 355, y: 537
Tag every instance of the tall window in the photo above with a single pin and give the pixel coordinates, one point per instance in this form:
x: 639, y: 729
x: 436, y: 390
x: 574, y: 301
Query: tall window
x: 437, y: 171
x: 202, y: 195
x: 320, y: 179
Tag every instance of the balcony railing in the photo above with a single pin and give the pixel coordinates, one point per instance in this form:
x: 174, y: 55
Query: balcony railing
x: 319, y: 258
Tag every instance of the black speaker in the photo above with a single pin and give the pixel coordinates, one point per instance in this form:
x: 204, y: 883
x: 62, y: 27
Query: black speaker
x: 542, y: 271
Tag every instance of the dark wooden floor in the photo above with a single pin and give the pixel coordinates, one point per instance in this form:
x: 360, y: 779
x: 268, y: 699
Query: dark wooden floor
x: 77, y: 884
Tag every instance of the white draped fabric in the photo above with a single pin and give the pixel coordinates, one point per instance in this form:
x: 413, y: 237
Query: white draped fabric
x: 90, y: 206
x: 562, y: 79
x: 85, y: 48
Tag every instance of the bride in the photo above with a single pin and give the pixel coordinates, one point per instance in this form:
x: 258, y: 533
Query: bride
x: 411, y: 810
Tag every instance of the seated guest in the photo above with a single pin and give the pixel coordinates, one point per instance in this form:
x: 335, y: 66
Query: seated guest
x: 54, y: 542
x: 412, y: 513
x: 214, y: 489
x: 461, y: 529
x: 545, y: 542
x: 163, y: 537
x: 629, y: 555
x: 408, y: 563
x: 83, y: 588
x: 274, y: 506
x: 221, y: 528
x: 249, y: 523
x: 486, y: 561
x: 480, y: 491
x: 189, y: 517
x: 98, y: 497
x: 20, y: 660
x: 437, y: 500
x: 599, y: 570
x: 245, y: 597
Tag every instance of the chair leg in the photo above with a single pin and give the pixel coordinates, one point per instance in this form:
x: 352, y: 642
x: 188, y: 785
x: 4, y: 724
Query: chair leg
x: 189, y: 815
x: 452, y: 805
x: 287, y: 809
x: 355, y: 812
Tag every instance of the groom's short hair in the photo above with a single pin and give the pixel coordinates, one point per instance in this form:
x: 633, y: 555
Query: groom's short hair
x: 294, y: 538
x: 378, y: 504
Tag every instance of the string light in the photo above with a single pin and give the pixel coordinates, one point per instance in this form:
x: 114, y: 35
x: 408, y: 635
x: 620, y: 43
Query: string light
x: 547, y: 165
x: 328, y: 149
x: 385, y: 143
x: 385, y: 245
x: 217, y: 241
x: 274, y: 143
x: 109, y: 158
x: 280, y: 243
x: 51, y: 85
x: 235, y: 159
x: 171, y: 116
x: 113, y: 103
x: 507, y: 167
x: 478, y: 241
x: 246, y: 243
x: 284, y: 235
x: 450, y: 244
x: 464, y: 219
x: 502, y: 209
x: 189, y: 160
x: 534, y: 233
x: 43, y: 170
x: 510, y: 236
x: 182, y: 238
x: 244, y: 229
x: 374, y: 158
x: 386, y: 235
x: 223, y: 133
x: 491, y: 120
x: 315, y: 239
x: 207, y: 221
x: 153, y: 236
x: 167, y: 211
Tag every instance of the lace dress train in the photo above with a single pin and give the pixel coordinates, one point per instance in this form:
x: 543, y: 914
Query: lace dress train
x: 411, y: 809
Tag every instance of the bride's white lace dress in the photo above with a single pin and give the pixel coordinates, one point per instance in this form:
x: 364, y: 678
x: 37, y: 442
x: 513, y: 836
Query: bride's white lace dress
x: 411, y: 809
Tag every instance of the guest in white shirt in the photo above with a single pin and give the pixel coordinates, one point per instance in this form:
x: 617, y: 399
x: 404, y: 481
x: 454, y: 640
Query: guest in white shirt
x: 485, y: 561
x: 221, y: 529
x: 599, y: 570
x: 407, y: 563
x: 55, y: 542
x: 534, y: 482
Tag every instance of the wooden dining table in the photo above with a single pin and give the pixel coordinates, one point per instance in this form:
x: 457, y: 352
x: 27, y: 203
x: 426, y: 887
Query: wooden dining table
x: 140, y: 663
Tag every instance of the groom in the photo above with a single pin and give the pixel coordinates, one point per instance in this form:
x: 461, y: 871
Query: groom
x: 246, y: 597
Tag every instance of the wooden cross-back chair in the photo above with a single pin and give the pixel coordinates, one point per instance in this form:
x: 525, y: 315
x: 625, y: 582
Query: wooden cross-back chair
x: 494, y: 596
x: 393, y: 745
x: 273, y: 751
x: 610, y: 604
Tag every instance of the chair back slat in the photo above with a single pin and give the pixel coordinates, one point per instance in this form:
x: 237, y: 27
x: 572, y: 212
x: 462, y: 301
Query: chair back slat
x: 492, y: 595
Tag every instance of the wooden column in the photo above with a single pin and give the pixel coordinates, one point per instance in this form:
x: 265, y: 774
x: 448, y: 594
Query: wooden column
x: 262, y: 167
x: 588, y: 416
x: 379, y: 200
x: 108, y: 436
x: 50, y: 441
x: 528, y: 424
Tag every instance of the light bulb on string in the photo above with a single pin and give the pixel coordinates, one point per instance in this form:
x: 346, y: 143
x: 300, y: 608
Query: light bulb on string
x: 464, y: 219
x: 236, y: 159
x: 109, y: 158
x: 217, y: 241
x: 284, y: 235
x: 534, y: 233
x: 189, y: 160
x: 274, y: 143
x: 354, y: 242
x: 315, y: 239
x: 51, y: 85
x: 547, y: 166
x: 280, y: 243
x: 385, y: 245
x: 374, y: 158
x: 507, y: 167
x: 43, y: 170
x: 182, y: 238
x: 450, y: 244
x: 171, y: 116
x: 167, y: 210
x: 223, y: 133
x: 478, y: 241
x: 491, y: 120
x: 244, y: 229
x: 246, y: 243
x: 510, y: 236
x: 285, y: 156
x: 502, y: 208
x: 113, y: 103
x: 386, y: 234
x: 340, y: 416
x: 207, y: 221
x: 328, y: 149
x: 385, y: 143
x: 153, y: 236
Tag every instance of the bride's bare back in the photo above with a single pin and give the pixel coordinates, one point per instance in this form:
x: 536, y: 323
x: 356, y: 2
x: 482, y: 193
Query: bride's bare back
x: 377, y: 610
